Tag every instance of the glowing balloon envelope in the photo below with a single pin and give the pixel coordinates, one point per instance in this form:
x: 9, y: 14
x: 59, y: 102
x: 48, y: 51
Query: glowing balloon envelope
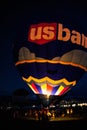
x: 52, y: 59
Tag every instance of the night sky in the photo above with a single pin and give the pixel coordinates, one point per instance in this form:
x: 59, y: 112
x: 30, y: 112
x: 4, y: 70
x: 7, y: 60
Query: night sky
x: 12, y: 17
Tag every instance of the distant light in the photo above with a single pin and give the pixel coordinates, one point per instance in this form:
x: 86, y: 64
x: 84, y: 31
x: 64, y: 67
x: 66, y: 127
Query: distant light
x: 73, y: 105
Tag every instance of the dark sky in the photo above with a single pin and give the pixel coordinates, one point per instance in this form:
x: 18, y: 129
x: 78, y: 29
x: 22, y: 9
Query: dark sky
x: 12, y: 16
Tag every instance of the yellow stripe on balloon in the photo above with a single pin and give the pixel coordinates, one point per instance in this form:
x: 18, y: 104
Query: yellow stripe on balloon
x: 44, y: 88
x: 59, y: 90
x: 54, y: 82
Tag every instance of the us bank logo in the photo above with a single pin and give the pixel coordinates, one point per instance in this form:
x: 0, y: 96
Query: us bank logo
x: 45, y: 32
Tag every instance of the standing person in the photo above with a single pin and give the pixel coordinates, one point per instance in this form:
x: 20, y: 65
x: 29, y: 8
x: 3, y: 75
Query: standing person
x: 39, y: 115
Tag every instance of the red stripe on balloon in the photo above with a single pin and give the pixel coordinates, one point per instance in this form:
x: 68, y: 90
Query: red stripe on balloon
x: 34, y: 87
x: 64, y: 90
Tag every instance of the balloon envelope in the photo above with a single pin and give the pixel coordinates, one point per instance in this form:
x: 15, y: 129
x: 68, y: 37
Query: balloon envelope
x: 53, y: 57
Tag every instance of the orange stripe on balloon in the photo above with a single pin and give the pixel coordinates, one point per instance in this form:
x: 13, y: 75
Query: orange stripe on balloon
x: 49, y: 89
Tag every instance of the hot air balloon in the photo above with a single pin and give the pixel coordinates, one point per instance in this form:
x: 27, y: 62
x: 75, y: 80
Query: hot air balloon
x: 53, y: 57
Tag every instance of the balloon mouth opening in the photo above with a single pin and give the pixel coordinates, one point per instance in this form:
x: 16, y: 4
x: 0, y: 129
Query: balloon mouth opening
x: 47, y: 86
